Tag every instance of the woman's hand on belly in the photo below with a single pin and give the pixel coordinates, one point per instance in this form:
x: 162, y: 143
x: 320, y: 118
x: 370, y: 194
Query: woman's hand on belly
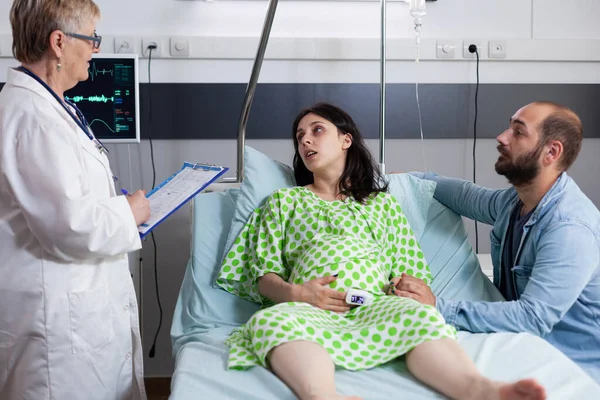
x: 315, y: 292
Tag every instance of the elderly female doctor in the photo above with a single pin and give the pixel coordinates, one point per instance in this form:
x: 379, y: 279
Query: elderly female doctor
x: 68, y: 313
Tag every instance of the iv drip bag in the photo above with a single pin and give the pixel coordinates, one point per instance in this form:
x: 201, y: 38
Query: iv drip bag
x: 418, y: 10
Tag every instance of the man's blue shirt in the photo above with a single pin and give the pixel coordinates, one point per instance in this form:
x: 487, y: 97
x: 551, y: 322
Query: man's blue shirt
x: 556, y: 270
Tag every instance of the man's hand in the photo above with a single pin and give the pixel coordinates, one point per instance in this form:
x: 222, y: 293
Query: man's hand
x: 316, y: 293
x: 411, y: 287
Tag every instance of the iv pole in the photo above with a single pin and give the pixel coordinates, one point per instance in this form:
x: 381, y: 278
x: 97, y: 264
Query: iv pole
x: 250, y: 89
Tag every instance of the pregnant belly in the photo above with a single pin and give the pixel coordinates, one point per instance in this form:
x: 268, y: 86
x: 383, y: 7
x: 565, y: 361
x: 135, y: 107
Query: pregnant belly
x: 357, y: 265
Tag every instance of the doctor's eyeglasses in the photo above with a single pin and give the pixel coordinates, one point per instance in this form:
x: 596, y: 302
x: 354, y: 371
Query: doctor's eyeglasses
x: 95, y: 39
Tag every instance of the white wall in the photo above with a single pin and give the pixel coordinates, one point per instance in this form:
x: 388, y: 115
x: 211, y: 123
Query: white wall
x: 309, y: 18
x: 534, y: 30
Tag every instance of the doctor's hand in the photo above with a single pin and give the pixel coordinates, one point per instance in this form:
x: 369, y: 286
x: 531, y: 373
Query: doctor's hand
x: 316, y: 293
x: 140, y: 206
x: 411, y: 287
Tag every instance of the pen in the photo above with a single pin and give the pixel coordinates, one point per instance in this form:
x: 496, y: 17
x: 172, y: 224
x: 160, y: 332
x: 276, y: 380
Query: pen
x: 124, y: 191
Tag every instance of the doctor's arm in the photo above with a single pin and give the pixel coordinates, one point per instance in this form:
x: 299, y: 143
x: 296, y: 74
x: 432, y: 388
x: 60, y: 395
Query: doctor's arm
x: 557, y: 280
x: 47, y: 181
x: 465, y: 198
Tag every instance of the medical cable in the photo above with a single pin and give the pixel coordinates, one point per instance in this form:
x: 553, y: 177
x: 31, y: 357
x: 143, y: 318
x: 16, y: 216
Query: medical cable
x: 160, y: 313
x: 129, y: 162
x: 420, y: 118
x: 419, y: 113
x: 473, y: 49
x: 417, y: 11
x: 150, y: 48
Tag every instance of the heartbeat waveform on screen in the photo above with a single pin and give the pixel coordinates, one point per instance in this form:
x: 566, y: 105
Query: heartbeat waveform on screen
x: 94, y: 72
x: 99, y: 120
x: 119, y: 127
x: 91, y: 99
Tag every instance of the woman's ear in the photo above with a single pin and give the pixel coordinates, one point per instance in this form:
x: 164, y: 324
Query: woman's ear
x: 57, y: 43
x: 347, y: 141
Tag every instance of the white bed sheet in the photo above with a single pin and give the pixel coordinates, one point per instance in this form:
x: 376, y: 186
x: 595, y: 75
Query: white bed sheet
x: 201, y: 372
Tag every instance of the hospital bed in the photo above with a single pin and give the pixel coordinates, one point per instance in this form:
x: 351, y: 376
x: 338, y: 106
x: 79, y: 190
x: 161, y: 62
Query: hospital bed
x: 205, y: 314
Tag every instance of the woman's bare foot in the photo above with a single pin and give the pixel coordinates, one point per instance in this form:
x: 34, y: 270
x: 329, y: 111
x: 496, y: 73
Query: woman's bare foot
x: 527, y: 389
x: 336, y: 397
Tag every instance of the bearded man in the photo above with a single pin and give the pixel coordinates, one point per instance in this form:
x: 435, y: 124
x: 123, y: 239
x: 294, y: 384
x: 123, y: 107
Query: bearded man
x: 545, y: 241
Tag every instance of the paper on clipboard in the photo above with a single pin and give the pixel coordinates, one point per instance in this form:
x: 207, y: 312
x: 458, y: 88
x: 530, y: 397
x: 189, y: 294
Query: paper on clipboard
x: 177, y: 190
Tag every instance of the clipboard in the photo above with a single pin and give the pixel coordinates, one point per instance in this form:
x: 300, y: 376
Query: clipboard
x: 178, y: 189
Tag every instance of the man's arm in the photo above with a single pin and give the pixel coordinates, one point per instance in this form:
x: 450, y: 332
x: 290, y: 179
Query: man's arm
x: 566, y: 259
x: 465, y: 198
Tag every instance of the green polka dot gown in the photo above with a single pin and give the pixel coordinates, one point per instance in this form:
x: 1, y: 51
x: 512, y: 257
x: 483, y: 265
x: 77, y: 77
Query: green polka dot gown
x: 301, y: 237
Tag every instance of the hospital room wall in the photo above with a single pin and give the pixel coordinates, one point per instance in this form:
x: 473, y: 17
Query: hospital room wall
x: 508, y: 19
x: 536, y: 19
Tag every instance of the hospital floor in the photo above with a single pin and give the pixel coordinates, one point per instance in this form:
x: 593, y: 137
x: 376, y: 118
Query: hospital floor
x: 158, y: 388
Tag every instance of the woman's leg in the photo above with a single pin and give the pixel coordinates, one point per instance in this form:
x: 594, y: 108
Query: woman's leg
x: 444, y: 365
x: 306, y: 368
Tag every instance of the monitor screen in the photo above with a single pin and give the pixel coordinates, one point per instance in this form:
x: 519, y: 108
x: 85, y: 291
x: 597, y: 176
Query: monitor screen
x: 109, y: 98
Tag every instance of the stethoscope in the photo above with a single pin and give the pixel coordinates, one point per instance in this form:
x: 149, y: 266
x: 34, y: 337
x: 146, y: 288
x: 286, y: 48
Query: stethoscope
x: 79, y: 119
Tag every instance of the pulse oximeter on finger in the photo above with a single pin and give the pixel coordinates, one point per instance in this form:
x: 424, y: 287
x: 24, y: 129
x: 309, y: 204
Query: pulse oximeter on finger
x: 358, y: 297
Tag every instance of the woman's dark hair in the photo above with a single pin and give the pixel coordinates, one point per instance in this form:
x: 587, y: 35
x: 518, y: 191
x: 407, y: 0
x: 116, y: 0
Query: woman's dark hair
x: 361, y: 176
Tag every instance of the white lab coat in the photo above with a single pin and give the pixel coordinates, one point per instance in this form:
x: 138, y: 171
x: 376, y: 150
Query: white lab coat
x: 68, y: 314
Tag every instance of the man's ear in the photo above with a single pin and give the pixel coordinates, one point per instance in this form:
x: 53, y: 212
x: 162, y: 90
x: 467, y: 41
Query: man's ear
x: 553, y: 152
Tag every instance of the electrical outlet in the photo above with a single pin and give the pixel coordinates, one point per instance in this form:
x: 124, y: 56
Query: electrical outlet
x: 180, y: 47
x: 446, y: 48
x: 147, y: 42
x: 480, y: 48
x: 497, y: 49
x: 124, y: 44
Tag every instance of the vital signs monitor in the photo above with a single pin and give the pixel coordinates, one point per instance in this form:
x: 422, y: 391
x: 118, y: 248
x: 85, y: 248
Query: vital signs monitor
x: 109, y: 98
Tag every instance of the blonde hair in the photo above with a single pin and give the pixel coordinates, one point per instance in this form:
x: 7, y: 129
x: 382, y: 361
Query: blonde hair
x: 33, y: 21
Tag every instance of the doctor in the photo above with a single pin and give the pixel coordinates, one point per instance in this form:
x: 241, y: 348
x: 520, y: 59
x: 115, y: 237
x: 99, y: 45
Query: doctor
x: 68, y: 312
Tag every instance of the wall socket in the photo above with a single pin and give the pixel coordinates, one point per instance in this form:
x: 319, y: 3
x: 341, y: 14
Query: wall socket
x: 480, y: 49
x: 180, y: 47
x: 124, y: 44
x: 497, y: 49
x: 447, y: 48
x: 147, y: 42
